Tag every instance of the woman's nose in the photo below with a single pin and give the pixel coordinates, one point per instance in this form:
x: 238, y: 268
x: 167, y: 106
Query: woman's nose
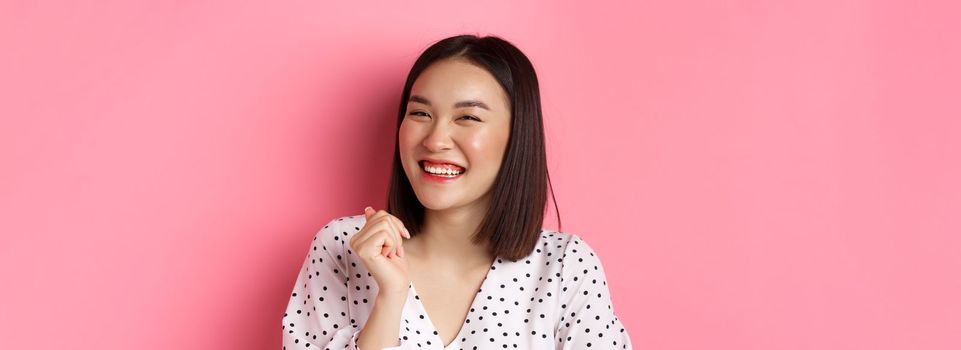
x: 438, y: 138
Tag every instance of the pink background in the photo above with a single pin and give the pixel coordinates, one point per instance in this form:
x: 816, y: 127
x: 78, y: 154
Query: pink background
x: 754, y: 175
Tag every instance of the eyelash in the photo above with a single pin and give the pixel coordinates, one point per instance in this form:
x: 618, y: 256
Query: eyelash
x: 470, y: 116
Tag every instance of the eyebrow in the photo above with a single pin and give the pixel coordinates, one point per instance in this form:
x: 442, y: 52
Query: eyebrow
x: 468, y: 103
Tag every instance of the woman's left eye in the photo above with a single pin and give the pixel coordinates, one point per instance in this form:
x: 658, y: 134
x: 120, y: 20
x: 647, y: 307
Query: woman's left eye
x: 472, y: 117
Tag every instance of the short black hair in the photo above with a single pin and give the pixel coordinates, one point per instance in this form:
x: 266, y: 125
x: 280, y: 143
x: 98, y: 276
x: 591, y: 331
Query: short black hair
x: 519, y: 193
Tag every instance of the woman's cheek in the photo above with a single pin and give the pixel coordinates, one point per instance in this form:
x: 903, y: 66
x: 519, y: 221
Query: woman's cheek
x: 482, y: 148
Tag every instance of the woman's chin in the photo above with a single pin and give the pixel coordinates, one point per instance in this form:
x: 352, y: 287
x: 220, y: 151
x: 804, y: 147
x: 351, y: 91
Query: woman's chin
x: 438, y: 201
x: 438, y: 205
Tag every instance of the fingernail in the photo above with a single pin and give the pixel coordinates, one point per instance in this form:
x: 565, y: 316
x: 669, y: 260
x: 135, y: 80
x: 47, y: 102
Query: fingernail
x: 407, y: 232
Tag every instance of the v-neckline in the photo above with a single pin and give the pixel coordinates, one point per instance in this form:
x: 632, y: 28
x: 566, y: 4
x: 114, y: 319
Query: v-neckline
x: 463, y: 325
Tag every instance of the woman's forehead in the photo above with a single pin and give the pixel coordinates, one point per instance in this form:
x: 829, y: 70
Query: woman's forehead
x: 448, y: 82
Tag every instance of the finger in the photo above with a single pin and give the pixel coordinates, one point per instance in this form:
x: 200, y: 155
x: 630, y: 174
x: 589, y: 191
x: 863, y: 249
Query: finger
x: 370, y: 227
x: 385, y: 251
x: 394, y: 225
x: 379, y: 213
x: 395, y: 235
x: 361, y: 236
x: 372, y: 214
x: 388, y: 245
x: 375, y: 244
x: 404, y: 233
x: 362, y: 246
x: 401, y: 228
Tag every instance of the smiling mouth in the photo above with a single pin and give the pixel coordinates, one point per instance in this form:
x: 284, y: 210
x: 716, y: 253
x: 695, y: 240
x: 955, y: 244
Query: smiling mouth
x: 440, y: 172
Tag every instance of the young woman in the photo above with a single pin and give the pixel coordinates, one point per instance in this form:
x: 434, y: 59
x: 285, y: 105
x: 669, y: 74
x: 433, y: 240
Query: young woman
x: 459, y: 259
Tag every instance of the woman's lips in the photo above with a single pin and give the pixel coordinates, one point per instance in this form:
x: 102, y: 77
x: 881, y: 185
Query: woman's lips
x: 443, y: 165
x: 439, y: 178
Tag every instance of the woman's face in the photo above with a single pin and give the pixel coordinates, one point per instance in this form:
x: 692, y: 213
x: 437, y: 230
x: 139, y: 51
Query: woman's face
x: 459, y: 117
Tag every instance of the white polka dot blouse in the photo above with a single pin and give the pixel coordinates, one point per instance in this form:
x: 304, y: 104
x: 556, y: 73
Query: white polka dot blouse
x: 555, y: 298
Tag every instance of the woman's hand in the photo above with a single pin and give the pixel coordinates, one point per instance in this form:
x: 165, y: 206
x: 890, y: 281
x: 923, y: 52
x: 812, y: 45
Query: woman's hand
x: 379, y: 246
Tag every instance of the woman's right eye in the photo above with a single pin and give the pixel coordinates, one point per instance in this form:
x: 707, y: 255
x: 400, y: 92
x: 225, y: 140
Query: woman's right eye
x: 417, y: 113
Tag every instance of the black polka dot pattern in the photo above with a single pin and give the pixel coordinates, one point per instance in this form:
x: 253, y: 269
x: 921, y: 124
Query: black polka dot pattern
x: 555, y: 298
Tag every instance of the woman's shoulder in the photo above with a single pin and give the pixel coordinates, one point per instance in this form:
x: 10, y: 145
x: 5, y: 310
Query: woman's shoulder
x: 338, y: 231
x: 568, y: 246
x: 558, y: 241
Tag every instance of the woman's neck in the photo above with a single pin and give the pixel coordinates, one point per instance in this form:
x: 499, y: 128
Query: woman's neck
x: 447, y: 235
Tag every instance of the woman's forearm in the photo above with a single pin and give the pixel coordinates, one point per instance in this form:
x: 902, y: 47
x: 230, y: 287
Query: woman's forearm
x: 382, y: 329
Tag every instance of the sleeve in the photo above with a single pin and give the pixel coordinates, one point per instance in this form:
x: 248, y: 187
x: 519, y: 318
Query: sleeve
x: 587, y: 313
x: 317, y: 315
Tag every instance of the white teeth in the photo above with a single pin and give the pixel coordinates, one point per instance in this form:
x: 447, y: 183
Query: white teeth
x: 442, y: 171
